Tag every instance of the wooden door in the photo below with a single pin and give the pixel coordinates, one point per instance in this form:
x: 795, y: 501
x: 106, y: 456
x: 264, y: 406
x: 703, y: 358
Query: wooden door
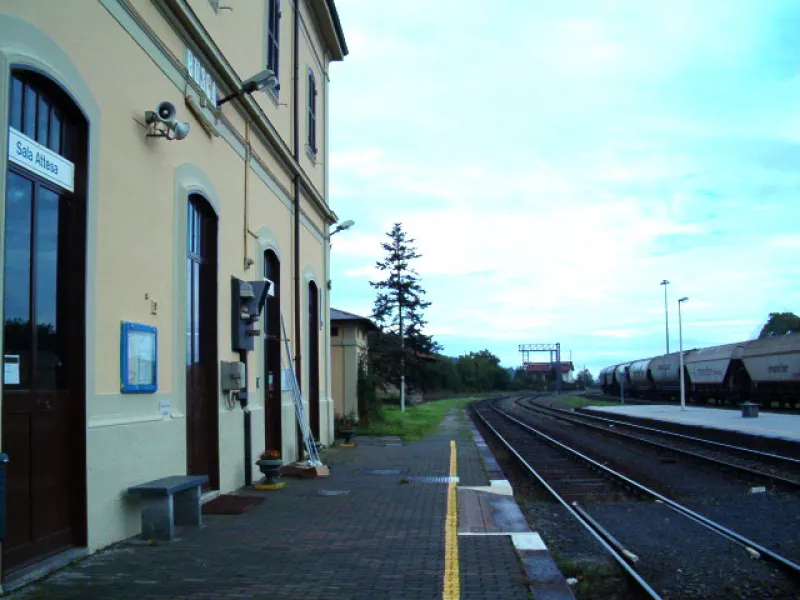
x: 272, y: 355
x: 313, y: 358
x: 201, y: 342
x: 43, y: 413
x: 41, y: 400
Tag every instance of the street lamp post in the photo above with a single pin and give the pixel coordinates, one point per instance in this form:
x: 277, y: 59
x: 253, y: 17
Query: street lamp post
x: 665, y: 283
x: 680, y: 341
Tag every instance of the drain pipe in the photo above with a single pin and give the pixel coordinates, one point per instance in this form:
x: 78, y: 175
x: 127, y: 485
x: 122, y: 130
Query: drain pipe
x: 244, y: 401
x: 296, y: 153
x: 243, y: 397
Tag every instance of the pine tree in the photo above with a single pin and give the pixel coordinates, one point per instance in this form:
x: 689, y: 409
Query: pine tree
x: 398, y: 310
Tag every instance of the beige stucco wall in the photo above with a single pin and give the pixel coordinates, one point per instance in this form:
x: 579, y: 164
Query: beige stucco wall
x: 248, y: 21
x: 338, y: 376
x: 346, y: 348
x: 137, y: 220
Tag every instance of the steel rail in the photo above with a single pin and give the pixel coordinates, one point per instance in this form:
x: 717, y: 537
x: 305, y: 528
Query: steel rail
x: 748, y: 544
x: 629, y: 556
x: 768, y: 455
x: 616, y: 555
x: 572, y: 418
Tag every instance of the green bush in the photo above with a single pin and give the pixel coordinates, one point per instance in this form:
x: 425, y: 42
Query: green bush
x: 369, y: 406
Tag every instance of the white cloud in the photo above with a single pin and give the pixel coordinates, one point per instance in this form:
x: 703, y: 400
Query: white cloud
x: 365, y: 271
x: 786, y: 241
x: 553, y: 177
x: 616, y: 333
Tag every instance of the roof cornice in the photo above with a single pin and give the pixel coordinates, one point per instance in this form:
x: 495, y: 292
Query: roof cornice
x: 331, y: 27
x: 185, y: 17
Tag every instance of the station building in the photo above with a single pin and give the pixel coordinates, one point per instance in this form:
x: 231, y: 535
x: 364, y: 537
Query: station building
x: 124, y: 237
x: 349, y: 335
x: 541, y: 371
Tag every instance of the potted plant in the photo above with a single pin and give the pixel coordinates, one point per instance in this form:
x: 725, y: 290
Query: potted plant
x: 270, y: 463
x: 347, y: 430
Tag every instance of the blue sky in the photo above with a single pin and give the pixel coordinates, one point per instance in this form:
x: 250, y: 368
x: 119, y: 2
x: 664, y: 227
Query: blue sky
x: 554, y: 161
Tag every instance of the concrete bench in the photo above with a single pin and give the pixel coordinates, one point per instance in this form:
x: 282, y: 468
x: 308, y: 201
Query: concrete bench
x: 168, y: 502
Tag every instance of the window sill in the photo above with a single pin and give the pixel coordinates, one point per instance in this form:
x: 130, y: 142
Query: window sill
x: 311, y: 154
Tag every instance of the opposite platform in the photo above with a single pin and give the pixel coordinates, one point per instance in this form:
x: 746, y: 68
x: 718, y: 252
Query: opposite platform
x: 381, y: 526
x: 775, y: 425
x: 769, y: 432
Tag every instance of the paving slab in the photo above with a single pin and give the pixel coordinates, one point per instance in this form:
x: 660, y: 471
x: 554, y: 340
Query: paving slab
x: 375, y: 528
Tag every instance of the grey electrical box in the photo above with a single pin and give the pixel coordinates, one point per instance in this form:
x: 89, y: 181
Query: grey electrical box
x: 247, y: 302
x: 232, y: 376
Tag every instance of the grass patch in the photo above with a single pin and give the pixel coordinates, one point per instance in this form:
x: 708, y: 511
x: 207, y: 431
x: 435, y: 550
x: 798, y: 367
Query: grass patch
x: 417, y: 422
x: 580, y: 401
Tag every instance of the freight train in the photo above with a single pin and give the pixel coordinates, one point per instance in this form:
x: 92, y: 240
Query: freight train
x: 765, y: 371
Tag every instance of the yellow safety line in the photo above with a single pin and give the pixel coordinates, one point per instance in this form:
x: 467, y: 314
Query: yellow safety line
x: 452, y: 586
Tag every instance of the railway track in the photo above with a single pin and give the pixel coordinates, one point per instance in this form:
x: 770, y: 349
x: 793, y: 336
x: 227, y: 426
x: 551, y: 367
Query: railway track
x: 753, y: 464
x: 553, y: 465
x: 599, y: 395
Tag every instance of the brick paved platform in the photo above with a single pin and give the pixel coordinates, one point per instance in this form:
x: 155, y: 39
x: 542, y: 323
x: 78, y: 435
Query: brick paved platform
x: 371, y: 530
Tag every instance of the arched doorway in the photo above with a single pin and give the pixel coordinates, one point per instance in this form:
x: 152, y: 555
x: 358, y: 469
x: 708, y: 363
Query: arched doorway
x: 44, y: 397
x: 272, y: 354
x: 313, y: 358
x: 202, y: 448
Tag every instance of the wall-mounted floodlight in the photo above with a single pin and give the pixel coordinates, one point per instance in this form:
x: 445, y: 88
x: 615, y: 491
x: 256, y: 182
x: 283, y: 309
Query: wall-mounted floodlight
x: 259, y: 81
x: 342, y: 226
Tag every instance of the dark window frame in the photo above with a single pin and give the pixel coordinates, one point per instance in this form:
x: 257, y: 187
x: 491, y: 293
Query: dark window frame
x: 311, y: 138
x: 273, y: 39
x: 38, y: 114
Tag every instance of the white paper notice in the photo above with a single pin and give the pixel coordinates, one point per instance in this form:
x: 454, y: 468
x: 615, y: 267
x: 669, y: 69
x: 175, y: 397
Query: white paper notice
x: 141, y: 358
x: 164, y: 408
x: 11, y: 369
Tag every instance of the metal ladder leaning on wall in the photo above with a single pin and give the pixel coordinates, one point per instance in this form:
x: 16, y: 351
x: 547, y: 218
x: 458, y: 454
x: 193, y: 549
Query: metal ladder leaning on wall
x: 308, y: 437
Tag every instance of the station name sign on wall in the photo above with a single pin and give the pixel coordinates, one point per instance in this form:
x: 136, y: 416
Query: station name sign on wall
x: 29, y: 154
x: 201, y: 77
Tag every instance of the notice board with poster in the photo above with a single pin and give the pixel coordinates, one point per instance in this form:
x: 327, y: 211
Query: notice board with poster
x: 139, y: 358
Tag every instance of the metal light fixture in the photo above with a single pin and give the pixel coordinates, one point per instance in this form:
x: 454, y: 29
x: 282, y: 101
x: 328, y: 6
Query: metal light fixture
x: 259, y: 81
x: 680, y: 338
x: 342, y: 226
x: 665, y: 283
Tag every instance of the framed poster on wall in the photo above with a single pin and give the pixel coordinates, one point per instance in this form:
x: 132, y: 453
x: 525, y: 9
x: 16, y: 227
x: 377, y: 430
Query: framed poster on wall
x: 139, y: 358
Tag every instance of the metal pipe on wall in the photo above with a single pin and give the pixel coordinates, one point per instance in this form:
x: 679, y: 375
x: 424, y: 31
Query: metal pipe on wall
x: 298, y: 354
x: 248, y: 426
x: 247, y: 151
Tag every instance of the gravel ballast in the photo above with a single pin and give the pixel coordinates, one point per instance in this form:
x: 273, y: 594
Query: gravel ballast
x: 680, y: 558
